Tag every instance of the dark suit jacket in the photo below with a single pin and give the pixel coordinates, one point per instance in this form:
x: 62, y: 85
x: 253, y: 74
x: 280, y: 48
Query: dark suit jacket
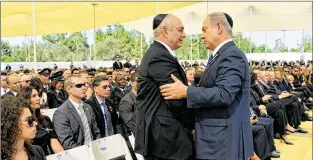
x: 93, y: 102
x: 55, y: 100
x: 162, y: 127
x: 9, y: 93
x: 127, y: 65
x: 223, y: 129
x: 115, y: 65
x: 117, y: 96
x: 128, y: 110
x: 34, y: 152
x: 69, y: 126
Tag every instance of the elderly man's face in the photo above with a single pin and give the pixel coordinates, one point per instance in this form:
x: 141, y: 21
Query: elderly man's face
x: 176, y: 34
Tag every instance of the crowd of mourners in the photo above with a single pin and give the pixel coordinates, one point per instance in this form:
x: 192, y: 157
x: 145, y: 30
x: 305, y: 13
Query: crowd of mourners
x: 95, y: 103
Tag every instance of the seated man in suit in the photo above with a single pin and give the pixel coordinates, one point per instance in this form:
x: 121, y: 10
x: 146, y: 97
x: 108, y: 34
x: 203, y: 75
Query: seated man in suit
x: 267, y: 123
x: 117, y: 64
x: 127, y: 105
x: 290, y: 101
x: 13, y: 82
x: 103, y: 108
x: 74, y: 122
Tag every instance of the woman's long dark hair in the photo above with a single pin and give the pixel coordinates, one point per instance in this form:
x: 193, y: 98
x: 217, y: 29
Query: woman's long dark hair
x: 26, y: 93
x: 37, y: 84
x: 11, y: 111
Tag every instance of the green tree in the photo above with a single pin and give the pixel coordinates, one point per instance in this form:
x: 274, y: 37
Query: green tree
x: 5, y: 48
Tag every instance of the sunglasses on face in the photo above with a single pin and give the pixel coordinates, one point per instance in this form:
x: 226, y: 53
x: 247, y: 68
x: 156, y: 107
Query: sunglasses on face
x: 27, y: 81
x: 80, y: 85
x: 30, y: 121
x: 106, y: 86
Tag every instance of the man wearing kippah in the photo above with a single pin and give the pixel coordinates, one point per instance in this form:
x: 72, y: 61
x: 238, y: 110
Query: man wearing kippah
x: 163, y: 127
x: 221, y: 99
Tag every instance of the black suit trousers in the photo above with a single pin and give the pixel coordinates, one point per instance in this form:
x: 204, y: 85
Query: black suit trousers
x: 278, y: 112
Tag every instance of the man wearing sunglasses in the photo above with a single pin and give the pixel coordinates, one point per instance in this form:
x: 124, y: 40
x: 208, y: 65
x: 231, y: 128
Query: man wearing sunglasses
x: 74, y: 121
x: 25, y: 79
x: 103, y: 108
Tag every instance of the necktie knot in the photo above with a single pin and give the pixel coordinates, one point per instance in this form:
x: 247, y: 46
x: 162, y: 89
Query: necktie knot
x: 210, y: 58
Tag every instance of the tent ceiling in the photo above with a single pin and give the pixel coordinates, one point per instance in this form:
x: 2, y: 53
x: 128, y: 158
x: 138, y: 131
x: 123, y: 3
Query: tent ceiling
x: 62, y: 17
x: 247, y: 16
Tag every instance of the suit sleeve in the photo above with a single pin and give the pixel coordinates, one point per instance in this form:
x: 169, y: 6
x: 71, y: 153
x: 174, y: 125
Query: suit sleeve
x: 229, y: 79
x: 126, y: 111
x: 160, y: 69
x: 63, y: 130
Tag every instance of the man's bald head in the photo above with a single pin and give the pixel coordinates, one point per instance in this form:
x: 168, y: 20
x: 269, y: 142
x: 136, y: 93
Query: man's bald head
x: 170, y: 31
x: 13, y: 82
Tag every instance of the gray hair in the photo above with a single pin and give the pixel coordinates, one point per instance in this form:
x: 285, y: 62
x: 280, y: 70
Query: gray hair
x: 216, y: 17
x: 166, y: 22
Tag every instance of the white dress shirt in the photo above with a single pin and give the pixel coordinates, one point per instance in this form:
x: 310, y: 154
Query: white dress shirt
x: 220, y: 46
x: 168, y: 48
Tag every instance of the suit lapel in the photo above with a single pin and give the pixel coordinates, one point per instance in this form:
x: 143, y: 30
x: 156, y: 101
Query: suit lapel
x: 98, y: 107
x: 219, y: 52
x: 75, y: 114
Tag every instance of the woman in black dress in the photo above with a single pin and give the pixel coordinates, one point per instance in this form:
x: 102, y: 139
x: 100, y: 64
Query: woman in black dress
x: 45, y: 136
x: 18, y: 126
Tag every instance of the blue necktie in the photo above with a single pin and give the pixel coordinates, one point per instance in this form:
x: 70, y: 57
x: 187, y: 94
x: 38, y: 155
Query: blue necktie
x: 210, y: 58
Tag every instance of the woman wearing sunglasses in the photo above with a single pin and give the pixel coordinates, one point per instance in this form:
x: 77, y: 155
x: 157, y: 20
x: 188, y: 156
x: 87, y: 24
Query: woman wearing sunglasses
x: 18, y: 126
x: 45, y: 136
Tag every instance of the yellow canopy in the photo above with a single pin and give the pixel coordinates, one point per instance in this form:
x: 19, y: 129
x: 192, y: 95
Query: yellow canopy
x: 62, y: 17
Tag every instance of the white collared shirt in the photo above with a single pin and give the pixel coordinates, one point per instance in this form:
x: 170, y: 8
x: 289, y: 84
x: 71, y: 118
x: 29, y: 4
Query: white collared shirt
x: 220, y: 46
x: 2, y: 92
x: 168, y: 48
x: 76, y: 105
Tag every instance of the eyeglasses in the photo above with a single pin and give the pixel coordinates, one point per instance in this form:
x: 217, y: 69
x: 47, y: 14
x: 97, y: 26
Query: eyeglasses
x: 106, y: 86
x: 30, y: 121
x: 80, y: 85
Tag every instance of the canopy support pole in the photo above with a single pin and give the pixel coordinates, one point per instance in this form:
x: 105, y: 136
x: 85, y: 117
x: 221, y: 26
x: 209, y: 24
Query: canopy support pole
x: 94, y: 30
x: 34, y: 34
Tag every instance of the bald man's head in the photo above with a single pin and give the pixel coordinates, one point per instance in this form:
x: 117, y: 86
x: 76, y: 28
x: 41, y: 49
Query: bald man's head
x: 170, y: 31
x: 13, y: 82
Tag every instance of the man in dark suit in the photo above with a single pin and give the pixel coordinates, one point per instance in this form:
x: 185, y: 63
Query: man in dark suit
x: 221, y: 101
x: 14, y: 86
x: 163, y: 128
x: 3, y: 84
x: 74, y: 122
x: 136, y: 66
x: 117, y: 64
x: 105, y: 112
x: 119, y: 91
x: 127, y: 64
x: 127, y: 105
